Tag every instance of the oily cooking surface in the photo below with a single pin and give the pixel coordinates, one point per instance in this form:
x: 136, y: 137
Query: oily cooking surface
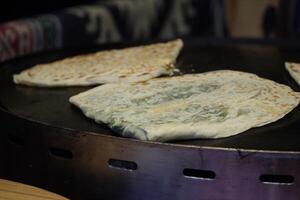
x: 51, y: 106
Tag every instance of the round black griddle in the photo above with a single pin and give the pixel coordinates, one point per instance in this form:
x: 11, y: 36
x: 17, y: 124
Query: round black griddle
x: 47, y: 142
x: 50, y: 105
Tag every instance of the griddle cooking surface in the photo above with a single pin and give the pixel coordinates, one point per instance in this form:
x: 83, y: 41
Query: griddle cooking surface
x: 50, y: 105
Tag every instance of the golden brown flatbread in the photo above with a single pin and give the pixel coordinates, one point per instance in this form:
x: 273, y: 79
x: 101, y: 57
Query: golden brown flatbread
x: 124, y: 65
x: 294, y: 71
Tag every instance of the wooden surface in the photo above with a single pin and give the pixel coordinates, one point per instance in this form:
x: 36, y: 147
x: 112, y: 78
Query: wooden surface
x: 10, y: 190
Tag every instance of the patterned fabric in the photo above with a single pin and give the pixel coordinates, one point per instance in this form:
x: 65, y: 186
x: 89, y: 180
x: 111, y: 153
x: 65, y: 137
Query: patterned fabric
x: 26, y: 36
x: 108, y: 21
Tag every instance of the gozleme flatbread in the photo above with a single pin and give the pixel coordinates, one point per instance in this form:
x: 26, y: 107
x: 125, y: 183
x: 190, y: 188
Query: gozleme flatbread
x: 130, y: 64
x: 209, y: 105
x: 294, y: 71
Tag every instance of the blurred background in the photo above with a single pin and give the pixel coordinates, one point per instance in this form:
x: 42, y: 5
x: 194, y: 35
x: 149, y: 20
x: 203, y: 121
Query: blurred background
x: 31, y: 26
x: 236, y: 18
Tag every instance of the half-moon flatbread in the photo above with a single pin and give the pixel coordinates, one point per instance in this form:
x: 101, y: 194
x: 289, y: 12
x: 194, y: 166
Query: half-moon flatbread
x: 124, y: 65
x: 294, y: 71
x: 209, y: 105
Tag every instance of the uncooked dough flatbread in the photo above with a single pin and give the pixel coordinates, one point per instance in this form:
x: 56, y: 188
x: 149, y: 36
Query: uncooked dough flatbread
x: 208, y: 105
x: 294, y: 71
x: 124, y: 65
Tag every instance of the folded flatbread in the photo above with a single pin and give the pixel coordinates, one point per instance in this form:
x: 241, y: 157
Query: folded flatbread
x: 124, y: 65
x: 209, y: 105
x: 294, y: 71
